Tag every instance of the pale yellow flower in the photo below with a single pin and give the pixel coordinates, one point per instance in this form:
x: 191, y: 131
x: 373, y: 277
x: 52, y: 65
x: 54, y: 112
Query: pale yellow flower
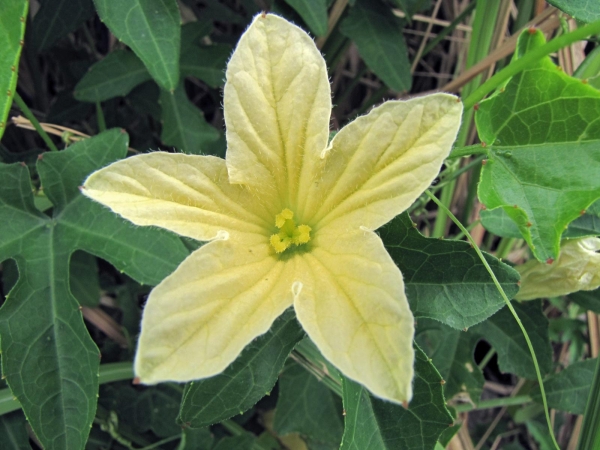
x: 289, y: 218
x: 577, y: 268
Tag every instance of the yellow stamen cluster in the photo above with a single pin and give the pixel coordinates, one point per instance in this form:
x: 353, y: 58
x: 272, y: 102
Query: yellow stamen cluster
x: 289, y: 234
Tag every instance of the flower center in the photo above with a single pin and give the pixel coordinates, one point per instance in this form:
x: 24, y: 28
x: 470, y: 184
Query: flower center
x: 289, y: 234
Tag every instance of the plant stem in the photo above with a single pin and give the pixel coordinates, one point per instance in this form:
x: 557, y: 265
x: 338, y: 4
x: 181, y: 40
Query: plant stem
x: 486, y: 359
x: 529, y: 58
x: 36, y: 124
x: 494, y: 403
x: 510, y: 307
x: 446, y: 31
x: 100, y: 117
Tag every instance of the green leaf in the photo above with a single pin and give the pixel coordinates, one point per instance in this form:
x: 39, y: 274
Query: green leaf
x: 502, y: 332
x: 12, y: 24
x: 445, y: 280
x: 541, y: 128
x: 184, y: 125
x: 83, y: 274
x: 586, y: 225
x: 589, y: 69
x: 244, y: 441
x: 313, y: 12
x: 206, y: 63
x: 587, y: 299
x: 193, y: 32
x: 57, y: 18
x: 250, y: 377
x: 499, y: 223
x: 378, y: 36
x: 584, y: 10
x: 569, y: 389
x: 307, y: 406
x: 452, y: 352
x: 49, y: 360
x: 116, y: 75
x: 13, y: 432
x: 373, y: 423
x: 152, y: 29
x: 196, y: 439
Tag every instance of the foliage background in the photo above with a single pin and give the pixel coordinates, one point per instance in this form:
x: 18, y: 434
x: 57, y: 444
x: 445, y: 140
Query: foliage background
x: 151, y: 72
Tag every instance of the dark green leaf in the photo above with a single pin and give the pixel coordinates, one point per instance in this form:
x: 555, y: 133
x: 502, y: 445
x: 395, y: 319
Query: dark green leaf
x: 116, y: 75
x: 378, y: 36
x: 307, y: 406
x: 196, y: 439
x: 57, y: 18
x: 375, y: 424
x: 184, y: 125
x: 313, y: 12
x: 586, y: 225
x: 49, y: 360
x: 12, y: 24
x: 541, y: 128
x: 13, y: 432
x: 250, y: 377
x: 152, y: 29
x: 445, y: 280
x: 503, y: 333
x: 587, y: 299
x: 244, y: 441
x: 193, y: 32
x: 584, y: 10
x: 66, y: 109
x: 83, y: 273
x: 144, y: 100
x: 452, y: 352
x: 206, y: 63
x: 569, y: 389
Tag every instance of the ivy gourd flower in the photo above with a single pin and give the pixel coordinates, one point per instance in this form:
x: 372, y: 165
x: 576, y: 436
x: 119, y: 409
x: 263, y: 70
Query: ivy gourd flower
x: 577, y: 268
x: 289, y: 219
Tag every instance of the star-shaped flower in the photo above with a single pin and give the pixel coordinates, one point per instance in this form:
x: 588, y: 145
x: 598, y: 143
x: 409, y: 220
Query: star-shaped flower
x: 289, y: 218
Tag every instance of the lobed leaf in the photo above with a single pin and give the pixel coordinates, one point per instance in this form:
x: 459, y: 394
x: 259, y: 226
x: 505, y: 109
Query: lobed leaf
x: 152, y: 29
x: 445, y: 280
x: 583, y: 10
x: 374, y: 423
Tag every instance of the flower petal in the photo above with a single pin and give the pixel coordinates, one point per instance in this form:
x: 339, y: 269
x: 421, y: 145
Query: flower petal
x: 277, y: 107
x: 190, y: 195
x: 354, y: 309
x: 378, y: 165
x: 198, y: 320
x: 577, y: 268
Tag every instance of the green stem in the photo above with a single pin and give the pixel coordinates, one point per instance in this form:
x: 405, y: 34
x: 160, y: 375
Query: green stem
x: 494, y: 403
x: 108, y: 373
x: 510, y: 307
x: 25, y: 109
x: 590, y: 431
x: 486, y: 359
x: 504, y: 247
x: 528, y: 59
x: 100, y: 117
x: 461, y: 152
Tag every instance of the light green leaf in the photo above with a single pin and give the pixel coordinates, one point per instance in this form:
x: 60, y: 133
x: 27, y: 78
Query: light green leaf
x: 12, y: 26
x: 313, y: 12
x: 569, y: 389
x: 116, y: 75
x: 249, y: 378
x: 504, y: 335
x: 206, y: 63
x: 445, y: 280
x: 83, y: 275
x: 184, y: 125
x: 57, y: 18
x: 541, y: 128
x: 499, y: 223
x: 152, y: 29
x: 375, y: 424
x: 42, y: 330
x: 584, y: 10
x: 378, y: 36
x: 13, y: 432
x: 452, y: 352
x: 307, y: 406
